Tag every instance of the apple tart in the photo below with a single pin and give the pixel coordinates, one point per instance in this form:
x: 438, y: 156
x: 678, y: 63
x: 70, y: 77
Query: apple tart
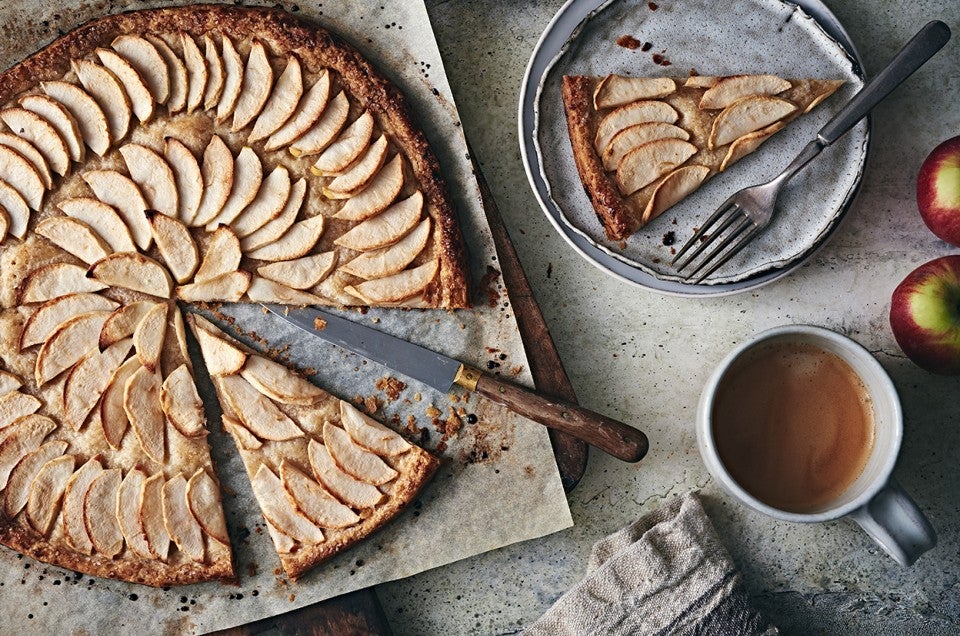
x: 642, y: 144
x: 200, y: 154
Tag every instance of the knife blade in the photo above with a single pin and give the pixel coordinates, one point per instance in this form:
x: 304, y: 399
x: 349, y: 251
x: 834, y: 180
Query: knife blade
x: 443, y: 373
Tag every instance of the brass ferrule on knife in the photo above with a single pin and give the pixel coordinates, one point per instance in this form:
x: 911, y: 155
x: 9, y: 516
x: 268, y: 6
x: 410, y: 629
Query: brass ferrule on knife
x: 467, y: 377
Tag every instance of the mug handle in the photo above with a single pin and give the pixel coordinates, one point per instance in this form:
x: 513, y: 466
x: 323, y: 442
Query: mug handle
x: 895, y: 522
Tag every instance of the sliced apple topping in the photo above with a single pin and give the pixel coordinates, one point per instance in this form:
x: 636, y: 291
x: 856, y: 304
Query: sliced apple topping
x: 103, y: 219
x: 88, y: 380
x: 152, y: 518
x: 345, y: 487
x: 322, y: 132
x: 73, y: 497
x: 647, y: 163
x: 244, y: 439
x: 39, y: 132
x: 103, y: 87
x: 177, y: 97
x: 141, y: 401
x: 262, y: 290
x: 188, y: 177
x: 274, y: 229
x: 229, y: 287
x: 392, y: 289
x: 743, y: 146
x: 203, y: 497
x: 348, y: 147
x: 4, y: 223
x: 74, y: 237
x: 617, y: 90
x: 213, y: 89
x: 218, y: 180
x: 298, y: 241
x: 113, y: 417
x: 141, y: 99
x: 68, y: 343
x: 279, y: 383
x: 123, y: 321
x: 300, y: 273
x: 9, y: 382
x: 379, y: 193
x: 54, y: 280
x: 22, y: 176
x: 267, y: 205
x: 222, y: 255
x: 255, y: 411
x: 385, y: 228
x: 232, y: 79
x: 220, y: 356
x: 829, y: 89
x: 247, y: 177
x: 673, y: 189
x: 22, y: 437
x: 154, y: 176
x: 90, y: 117
x: 362, y: 464
x: 46, y: 493
x: 31, y: 154
x: 122, y: 194
x: 100, y: 513
x: 148, y: 336
x: 369, y: 433
x: 61, y: 119
x: 730, y: 89
x: 181, y: 402
x: 636, y: 113
x: 305, y: 114
x: 392, y: 259
x: 196, y: 67
x: 17, y: 492
x: 134, y: 271
x: 313, y: 501
x: 360, y: 174
x: 635, y: 136
x: 144, y: 57
x: 747, y: 115
x: 176, y: 245
x: 701, y: 81
x: 16, y: 405
x: 256, y: 87
x: 278, y: 510
x: 180, y: 337
x: 128, y: 512
x: 17, y: 211
x: 179, y: 521
x: 282, y: 102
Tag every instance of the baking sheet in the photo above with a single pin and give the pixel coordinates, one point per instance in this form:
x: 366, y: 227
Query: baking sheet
x: 492, y: 468
x: 750, y: 36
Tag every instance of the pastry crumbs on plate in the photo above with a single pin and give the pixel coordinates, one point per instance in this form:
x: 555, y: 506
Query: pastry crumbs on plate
x: 319, y: 324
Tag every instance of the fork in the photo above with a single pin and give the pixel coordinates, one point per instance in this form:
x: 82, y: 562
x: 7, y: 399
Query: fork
x: 746, y: 213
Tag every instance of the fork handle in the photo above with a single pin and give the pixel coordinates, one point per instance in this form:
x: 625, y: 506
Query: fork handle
x: 918, y: 50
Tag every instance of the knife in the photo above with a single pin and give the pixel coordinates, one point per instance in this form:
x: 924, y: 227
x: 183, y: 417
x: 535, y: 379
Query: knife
x: 442, y: 373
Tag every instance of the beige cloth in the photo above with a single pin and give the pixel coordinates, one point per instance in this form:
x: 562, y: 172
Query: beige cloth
x: 666, y: 573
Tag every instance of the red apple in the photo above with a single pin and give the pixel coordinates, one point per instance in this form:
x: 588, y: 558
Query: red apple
x: 925, y: 315
x: 938, y: 191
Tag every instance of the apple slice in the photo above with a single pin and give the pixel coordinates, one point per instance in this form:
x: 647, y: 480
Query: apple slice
x: 9, y: 383
x: 300, y: 273
x: 181, y: 403
x: 674, y: 188
x: 196, y: 67
x: 353, y: 459
x: 256, y: 87
x: 345, y: 487
x: 382, y: 190
x: 298, y: 241
x: 232, y: 79
x: 730, y: 89
x: 247, y: 177
x: 141, y: 99
x: 154, y: 176
x: 228, y: 287
x: 397, y: 287
x: 88, y: 380
x: 122, y: 194
x: 149, y: 334
x: 701, y: 81
x: 54, y: 313
x: 743, y: 146
x: 267, y: 205
x: 29, y: 152
x: 152, y: 518
x: 17, y: 492
x: 22, y: 437
x: 392, y: 259
x: 54, y: 280
x: 255, y: 411
x: 179, y: 521
x: 133, y: 271
x: 306, y: 113
x: 144, y: 57
x: 747, y: 115
x: 213, y: 88
x: 637, y: 135
x: 16, y: 405
x: 371, y: 434
x: 17, y: 210
x: 128, y: 512
x: 113, y: 417
x: 175, y: 244
x: 635, y: 113
x: 22, y: 176
x: 617, y: 90
x: 348, y: 147
x: 68, y: 343
x: 218, y: 180
x: 39, y: 132
x: 100, y: 513
x: 177, y: 72
x: 277, y: 509
x: 360, y: 174
x: 244, y: 439
x: 123, y: 321
x: 91, y: 120
x: 188, y: 177
x: 103, y: 219
x: 74, y: 495
x: 222, y: 255
x: 385, y: 228
x: 322, y: 131
x: 60, y: 118
x: 203, y: 498
x: 220, y: 355
x: 74, y: 237
x: 647, y: 163
x: 279, y: 383
x: 46, y: 493
x: 313, y: 501
x: 274, y: 229
x: 4, y: 223
x: 282, y: 103
x: 104, y: 88
x: 262, y: 290
x: 141, y: 401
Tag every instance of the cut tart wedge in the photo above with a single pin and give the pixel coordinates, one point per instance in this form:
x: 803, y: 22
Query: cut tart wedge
x: 641, y: 145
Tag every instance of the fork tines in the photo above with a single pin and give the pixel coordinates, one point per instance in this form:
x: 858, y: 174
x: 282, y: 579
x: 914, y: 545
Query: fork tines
x: 735, y: 230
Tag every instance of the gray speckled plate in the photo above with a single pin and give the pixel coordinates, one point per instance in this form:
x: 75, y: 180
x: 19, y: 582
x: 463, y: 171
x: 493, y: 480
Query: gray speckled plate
x: 747, y: 36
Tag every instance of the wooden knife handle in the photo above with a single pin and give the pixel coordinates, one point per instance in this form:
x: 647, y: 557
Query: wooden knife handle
x: 613, y: 437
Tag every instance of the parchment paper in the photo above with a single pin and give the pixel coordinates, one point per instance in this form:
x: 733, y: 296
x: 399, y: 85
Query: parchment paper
x: 499, y: 483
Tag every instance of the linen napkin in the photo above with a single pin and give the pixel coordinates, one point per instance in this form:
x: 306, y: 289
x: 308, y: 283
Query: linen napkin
x: 666, y: 573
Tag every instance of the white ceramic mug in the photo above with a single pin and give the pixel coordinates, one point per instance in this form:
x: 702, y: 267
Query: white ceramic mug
x: 874, y: 500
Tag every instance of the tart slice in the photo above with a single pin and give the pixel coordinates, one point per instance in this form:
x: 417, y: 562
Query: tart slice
x: 325, y: 475
x: 642, y: 145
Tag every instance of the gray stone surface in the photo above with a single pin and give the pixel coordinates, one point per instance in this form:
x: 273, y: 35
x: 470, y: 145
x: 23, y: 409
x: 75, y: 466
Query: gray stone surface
x: 643, y: 358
